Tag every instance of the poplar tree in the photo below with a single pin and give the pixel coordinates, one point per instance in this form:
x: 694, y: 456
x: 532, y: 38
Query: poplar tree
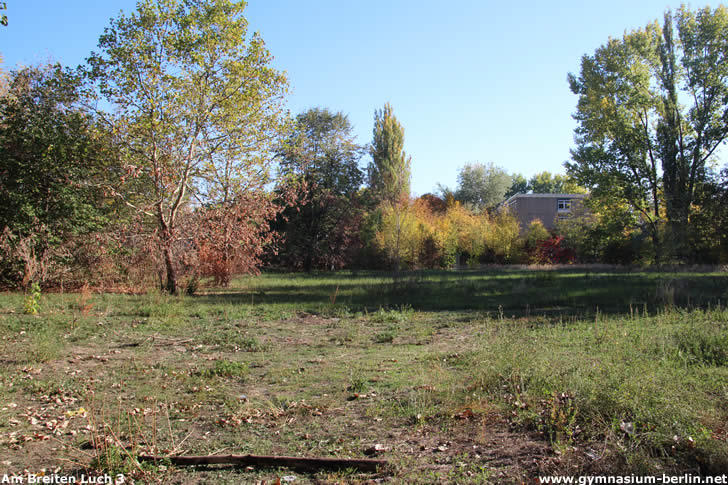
x: 390, y: 171
x: 652, y: 113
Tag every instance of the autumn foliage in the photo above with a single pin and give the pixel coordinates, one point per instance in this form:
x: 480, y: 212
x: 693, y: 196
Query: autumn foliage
x: 554, y: 251
x: 230, y: 239
x: 436, y: 235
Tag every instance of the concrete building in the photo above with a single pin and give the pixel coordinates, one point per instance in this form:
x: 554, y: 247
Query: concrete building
x: 548, y: 208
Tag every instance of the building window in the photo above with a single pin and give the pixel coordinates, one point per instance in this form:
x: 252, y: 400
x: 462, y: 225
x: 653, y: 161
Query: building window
x: 564, y: 205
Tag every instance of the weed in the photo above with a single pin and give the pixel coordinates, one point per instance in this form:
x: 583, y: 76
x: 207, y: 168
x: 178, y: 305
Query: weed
x: 402, y: 315
x: 45, y: 344
x: 385, y: 337
x: 31, y: 304
x: 227, y: 368
x: 250, y: 344
x: 357, y: 382
x: 703, y: 344
x: 114, y: 461
x: 84, y: 296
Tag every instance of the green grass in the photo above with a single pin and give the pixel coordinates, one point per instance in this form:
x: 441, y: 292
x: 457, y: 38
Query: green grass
x: 455, y: 372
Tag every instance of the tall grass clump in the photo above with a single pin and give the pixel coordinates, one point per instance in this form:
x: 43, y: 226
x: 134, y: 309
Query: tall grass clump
x: 618, y: 381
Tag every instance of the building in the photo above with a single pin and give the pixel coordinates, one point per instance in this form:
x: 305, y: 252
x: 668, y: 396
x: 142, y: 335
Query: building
x: 548, y: 208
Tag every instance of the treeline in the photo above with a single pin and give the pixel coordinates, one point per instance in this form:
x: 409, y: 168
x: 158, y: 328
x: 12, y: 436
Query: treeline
x: 169, y: 159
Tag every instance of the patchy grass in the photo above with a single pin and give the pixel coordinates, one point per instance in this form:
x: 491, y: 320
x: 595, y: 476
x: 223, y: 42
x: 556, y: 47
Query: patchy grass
x: 472, y: 377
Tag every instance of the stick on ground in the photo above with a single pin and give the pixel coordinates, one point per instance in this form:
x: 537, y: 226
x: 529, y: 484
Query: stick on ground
x: 292, y: 462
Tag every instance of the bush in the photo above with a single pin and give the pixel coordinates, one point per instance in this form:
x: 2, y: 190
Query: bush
x: 554, y: 251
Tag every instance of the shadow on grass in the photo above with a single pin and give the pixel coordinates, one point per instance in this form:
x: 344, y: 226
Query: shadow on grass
x: 513, y: 292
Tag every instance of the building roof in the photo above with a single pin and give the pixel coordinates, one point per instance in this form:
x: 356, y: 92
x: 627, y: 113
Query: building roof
x: 545, y: 196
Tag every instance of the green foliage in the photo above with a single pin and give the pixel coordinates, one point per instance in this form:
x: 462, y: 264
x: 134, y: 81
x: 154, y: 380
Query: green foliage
x: 604, y: 233
x: 54, y: 157
x: 394, y: 316
x: 547, y: 183
x: 636, y: 142
x: 385, y: 337
x: 482, y: 186
x: 518, y: 186
x: 703, y: 343
x: 708, y: 234
x: 114, y: 460
x: 321, y: 161
x: 358, y: 382
x: 390, y: 170
x: 536, y: 233
x: 3, y: 17
x: 31, y: 304
x: 227, y: 368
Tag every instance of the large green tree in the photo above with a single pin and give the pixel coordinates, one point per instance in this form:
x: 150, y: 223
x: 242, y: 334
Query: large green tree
x: 519, y: 185
x: 390, y: 170
x: 197, y: 108
x: 652, y: 111
x: 482, y: 185
x: 321, y: 159
x: 53, y: 162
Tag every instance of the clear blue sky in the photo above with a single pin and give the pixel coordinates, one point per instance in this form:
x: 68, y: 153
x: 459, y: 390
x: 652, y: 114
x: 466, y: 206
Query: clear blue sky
x: 469, y: 80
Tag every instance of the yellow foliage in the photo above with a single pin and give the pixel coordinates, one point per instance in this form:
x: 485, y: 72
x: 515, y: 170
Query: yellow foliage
x: 411, y: 232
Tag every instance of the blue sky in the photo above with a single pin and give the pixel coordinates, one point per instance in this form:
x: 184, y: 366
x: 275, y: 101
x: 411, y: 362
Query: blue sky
x: 469, y: 80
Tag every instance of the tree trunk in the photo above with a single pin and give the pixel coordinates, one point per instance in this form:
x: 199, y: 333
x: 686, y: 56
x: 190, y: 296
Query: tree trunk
x: 658, y: 245
x: 171, y: 271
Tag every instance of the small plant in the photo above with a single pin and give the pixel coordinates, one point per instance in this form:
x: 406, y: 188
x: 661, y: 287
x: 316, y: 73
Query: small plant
x: 227, y: 368
x: 114, y: 460
x: 31, y: 305
x: 83, y: 305
x: 251, y: 344
x: 357, y: 383
x: 385, y: 337
x: 559, y: 418
x: 393, y: 316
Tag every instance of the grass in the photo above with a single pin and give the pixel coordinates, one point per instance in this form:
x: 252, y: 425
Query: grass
x: 475, y: 377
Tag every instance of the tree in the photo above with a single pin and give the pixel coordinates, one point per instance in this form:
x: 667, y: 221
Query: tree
x: 321, y: 157
x: 231, y: 238
x: 197, y: 108
x: 482, y: 186
x: 53, y: 159
x: 652, y: 111
x: 3, y: 17
x: 709, y: 220
x: 547, y: 183
x: 390, y: 170
x: 519, y: 185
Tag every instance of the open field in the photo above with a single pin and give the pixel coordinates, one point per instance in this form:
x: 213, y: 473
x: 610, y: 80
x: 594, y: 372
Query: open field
x: 460, y: 377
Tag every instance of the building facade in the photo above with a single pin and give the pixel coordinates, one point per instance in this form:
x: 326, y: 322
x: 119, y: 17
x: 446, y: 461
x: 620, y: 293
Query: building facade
x: 548, y: 208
